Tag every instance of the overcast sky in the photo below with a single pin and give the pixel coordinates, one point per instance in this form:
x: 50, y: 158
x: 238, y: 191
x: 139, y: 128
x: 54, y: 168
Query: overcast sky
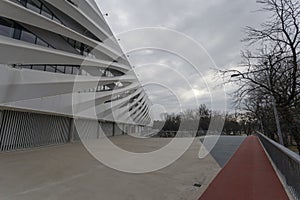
x: 172, y: 82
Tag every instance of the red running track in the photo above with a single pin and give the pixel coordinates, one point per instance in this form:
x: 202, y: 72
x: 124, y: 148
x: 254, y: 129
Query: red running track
x: 248, y: 175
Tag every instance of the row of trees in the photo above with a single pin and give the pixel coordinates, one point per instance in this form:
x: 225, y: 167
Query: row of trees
x: 199, y: 119
x: 269, y: 81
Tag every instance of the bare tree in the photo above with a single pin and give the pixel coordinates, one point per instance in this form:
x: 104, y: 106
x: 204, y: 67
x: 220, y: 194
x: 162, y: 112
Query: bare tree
x: 272, y: 71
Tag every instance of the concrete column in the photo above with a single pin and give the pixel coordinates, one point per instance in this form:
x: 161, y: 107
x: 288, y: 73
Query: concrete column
x: 72, y: 130
x: 123, y: 129
x: 98, y: 129
x: 113, y: 129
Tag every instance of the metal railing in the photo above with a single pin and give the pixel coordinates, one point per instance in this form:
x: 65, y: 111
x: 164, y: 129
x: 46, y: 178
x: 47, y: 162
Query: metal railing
x: 171, y: 134
x: 286, y: 161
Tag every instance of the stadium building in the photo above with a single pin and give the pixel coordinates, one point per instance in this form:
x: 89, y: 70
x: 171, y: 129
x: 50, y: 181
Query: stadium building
x: 59, y: 63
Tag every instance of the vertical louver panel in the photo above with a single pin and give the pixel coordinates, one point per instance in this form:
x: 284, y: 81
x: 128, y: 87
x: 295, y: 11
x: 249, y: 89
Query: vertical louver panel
x: 21, y: 130
x: 87, y: 129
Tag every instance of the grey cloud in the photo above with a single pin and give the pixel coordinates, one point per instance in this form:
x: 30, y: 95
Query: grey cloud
x: 216, y: 24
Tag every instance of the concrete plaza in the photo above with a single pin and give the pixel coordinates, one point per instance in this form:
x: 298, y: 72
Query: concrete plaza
x: 69, y: 172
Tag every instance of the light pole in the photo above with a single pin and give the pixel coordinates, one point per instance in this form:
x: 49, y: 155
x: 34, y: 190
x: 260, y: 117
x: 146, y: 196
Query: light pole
x: 279, y: 133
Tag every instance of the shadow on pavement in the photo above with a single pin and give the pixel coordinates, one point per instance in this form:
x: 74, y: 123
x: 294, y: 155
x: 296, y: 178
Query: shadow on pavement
x: 225, y: 148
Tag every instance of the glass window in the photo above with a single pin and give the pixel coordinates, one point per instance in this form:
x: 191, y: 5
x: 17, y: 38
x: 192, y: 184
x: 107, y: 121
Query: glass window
x: 69, y: 70
x: 23, y: 2
x: 61, y: 69
x: 76, y: 70
x: 28, y: 37
x: 34, y: 6
x: 72, y: 42
x: 39, y: 7
x: 45, y: 9
x: 14, y: 30
x: 41, y: 42
x: 70, y: 1
x: 51, y: 46
x: 46, y: 12
x: 6, y: 31
x: 6, y: 22
x: 6, y: 28
x: 84, y: 53
x: 39, y: 67
x: 35, y: 3
x: 50, y: 68
x: 77, y: 45
x: 53, y: 68
x: 57, y: 20
x: 17, y: 32
x: 26, y: 66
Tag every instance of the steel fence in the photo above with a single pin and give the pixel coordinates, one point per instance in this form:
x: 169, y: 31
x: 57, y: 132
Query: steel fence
x: 286, y: 161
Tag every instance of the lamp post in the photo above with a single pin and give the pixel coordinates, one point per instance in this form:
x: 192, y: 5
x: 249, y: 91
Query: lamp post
x: 279, y: 133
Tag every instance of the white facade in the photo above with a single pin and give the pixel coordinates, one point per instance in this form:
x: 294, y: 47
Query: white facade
x: 59, y: 57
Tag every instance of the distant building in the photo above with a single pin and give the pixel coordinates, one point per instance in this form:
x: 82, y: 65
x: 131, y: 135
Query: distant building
x: 46, y: 46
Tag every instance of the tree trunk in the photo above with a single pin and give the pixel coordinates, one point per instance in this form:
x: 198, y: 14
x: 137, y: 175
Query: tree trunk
x: 291, y: 122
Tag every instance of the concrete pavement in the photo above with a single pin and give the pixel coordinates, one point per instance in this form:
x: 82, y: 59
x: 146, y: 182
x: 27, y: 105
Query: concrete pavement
x: 225, y: 148
x: 69, y: 172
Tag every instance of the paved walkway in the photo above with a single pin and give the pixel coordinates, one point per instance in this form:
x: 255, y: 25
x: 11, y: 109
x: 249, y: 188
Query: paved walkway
x: 69, y: 172
x: 248, y: 175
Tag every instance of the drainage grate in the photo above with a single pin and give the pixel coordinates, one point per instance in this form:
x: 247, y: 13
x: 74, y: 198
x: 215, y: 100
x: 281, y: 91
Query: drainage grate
x: 197, y: 185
